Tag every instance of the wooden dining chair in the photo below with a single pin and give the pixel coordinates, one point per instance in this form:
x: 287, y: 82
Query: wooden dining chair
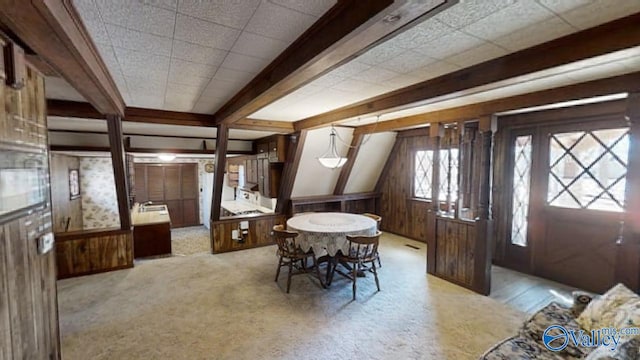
x: 363, y: 250
x: 291, y: 255
x: 378, y: 220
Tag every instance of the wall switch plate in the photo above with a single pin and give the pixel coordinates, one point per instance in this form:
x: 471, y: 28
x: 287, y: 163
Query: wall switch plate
x: 244, y: 225
x: 45, y: 243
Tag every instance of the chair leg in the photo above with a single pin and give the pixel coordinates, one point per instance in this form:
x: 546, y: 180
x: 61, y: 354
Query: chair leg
x: 375, y: 274
x: 279, y: 266
x: 333, y: 270
x: 315, y: 264
x: 289, y: 277
x: 379, y: 263
x: 355, y: 277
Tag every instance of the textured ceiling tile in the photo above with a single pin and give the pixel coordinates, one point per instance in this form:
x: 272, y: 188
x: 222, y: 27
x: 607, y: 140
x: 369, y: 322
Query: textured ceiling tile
x: 221, y: 88
x: 258, y: 46
x: 167, y: 4
x: 181, y: 68
x: 449, y: 44
x: 380, y: 53
x: 231, y: 75
x: 407, y: 62
x: 114, y: 12
x: 139, y: 64
x: 560, y: 6
x: 174, y: 89
x: 470, y: 11
x: 477, y: 55
x: 197, y: 53
x: 400, y: 81
x: 310, y: 7
x: 208, y: 105
x: 600, y: 11
x: 191, y: 80
x: 245, y: 63
x: 139, y: 41
x: 232, y: 13
x: 92, y: 20
x: 147, y: 101
x: 278, y: 22
x: 205, y: 33
x: 145, y: 86
x: 421, y: 34
x: 178, y: 103
x: 151, y: 19
x: 349, y: 69
x: 376, y: 75
x: 328, y: 79
x: 433, y: 70
x: 509, y: 19
x: 535, y: 34
x: 352, y: 85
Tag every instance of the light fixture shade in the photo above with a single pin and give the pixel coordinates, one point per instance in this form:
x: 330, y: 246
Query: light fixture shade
x: 166, y: 157
x: 332, y: 163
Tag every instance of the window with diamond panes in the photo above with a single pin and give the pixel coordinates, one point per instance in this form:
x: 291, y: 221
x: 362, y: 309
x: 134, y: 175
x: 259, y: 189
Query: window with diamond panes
x: 521, y: 190
x: 423, y: 174
x: 587, y: 169
x: 448, y: 175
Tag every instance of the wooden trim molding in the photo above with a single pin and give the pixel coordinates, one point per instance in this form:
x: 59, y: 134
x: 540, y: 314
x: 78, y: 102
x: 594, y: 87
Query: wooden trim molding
x: 341, y: 34
x: 610, y: 37
x: 54, y: 31
x: 617, y: 84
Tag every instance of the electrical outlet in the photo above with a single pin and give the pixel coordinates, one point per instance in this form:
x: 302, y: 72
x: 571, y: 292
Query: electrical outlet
x: 45, y: 243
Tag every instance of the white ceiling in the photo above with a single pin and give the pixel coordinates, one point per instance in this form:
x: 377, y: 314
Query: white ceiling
x: 192, y: 55
x: 128, y: 127
x: 466, y: 34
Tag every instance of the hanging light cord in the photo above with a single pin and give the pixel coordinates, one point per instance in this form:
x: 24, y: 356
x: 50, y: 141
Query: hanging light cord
x: 364, y: 141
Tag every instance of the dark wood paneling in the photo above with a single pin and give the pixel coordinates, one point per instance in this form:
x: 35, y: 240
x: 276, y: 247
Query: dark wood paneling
x: 357, y: 203
x: 152, y: 240
x: 401, y: 213
x: 140, y: 183
x: 64, y: 210
x: 296, y: 145
x: 114, y: 126
x: 90, y: 252
x: 155, y: 187
x: 219, y: 166
x: 259, y: 233
x: 455, y: 251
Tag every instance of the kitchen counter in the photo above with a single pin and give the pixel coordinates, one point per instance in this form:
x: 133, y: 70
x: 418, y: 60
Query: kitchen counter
x: 149, y: 217
x: 240, y: 206
x: 151, y: 231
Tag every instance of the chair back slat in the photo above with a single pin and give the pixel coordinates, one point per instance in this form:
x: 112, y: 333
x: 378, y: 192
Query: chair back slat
x: 286, y: 240
x: 376, y: 218
x: 363, y: 247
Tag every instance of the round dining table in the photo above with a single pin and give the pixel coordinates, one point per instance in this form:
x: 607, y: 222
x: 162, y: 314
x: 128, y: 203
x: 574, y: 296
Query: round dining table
x: 326, y: 232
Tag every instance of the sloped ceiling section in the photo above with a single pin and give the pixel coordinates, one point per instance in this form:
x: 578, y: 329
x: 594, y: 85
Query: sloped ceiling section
x: 370, y: 161
x: 312, y: 178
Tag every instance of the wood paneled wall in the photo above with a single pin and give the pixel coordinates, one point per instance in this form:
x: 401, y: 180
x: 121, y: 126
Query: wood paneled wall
x: 401, y: 213
x: 259, y: 233
x: 28, y: 300
x: 65, y: 210
x: 455, y: 250
x: 352, y: 203
x: 93, y: 251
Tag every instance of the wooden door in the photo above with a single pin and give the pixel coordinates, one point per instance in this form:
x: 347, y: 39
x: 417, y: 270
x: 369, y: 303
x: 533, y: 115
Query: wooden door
x: 173, y: 195
x: 190, y: 191
x: 575, y: 205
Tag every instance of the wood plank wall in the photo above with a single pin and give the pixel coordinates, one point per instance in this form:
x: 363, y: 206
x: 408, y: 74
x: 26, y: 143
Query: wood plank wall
x: 65, y: 210
x: 259, y: 233
x: 91, y: 252
x: 455, y: 249
x: 401, y: 213
x: 28, y: 299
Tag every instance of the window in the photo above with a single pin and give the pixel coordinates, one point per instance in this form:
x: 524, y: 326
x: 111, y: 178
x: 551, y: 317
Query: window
x: 448, y: 175
x: 423, y: 174
x: 588, y: 169
x: 521, y: 190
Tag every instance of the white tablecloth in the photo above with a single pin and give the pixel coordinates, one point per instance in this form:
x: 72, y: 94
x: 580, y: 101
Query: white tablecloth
x: 327, y: 232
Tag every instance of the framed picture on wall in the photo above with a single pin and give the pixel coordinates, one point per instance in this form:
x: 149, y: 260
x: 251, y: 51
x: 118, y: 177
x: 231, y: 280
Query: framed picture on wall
x: 74, y: 184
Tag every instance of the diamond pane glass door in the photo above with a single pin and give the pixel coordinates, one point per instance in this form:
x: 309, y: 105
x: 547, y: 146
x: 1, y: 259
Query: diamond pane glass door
x: 587, y: 169
x: 521, y: 190
x: 423, y: 174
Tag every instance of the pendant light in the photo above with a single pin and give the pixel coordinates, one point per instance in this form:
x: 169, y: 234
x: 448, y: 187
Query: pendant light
x: 330, y: 159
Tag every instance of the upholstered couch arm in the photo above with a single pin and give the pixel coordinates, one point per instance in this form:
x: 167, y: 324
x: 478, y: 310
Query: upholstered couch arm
x: 580, y: 301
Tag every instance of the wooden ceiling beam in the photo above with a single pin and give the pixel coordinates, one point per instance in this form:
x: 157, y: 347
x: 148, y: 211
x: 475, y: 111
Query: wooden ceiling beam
x: 54, y: 31
x: 84, y: 110
x: 608, y: 86
x: 346, y: 30
x: 610, y: 37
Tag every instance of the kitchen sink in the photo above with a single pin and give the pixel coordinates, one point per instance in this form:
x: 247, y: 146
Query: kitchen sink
x: 151, y: 208
x: 249, y: 212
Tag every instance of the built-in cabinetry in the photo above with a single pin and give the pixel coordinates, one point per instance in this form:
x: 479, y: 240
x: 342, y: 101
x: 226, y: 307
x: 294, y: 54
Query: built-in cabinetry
x: 263, y: 169
x: 258, y: 233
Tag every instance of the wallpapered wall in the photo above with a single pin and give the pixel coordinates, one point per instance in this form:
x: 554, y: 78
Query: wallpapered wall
x: 201, y: 173
x: 99, y: 200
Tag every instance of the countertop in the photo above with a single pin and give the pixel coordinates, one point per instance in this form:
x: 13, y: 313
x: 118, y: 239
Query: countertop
x: 236, y: 206
x: 149, y: 217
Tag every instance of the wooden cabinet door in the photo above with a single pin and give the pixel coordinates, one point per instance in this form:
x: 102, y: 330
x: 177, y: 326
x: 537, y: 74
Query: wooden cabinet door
x: 155, y: 183
x: 140, y: 183
x: 263, y: 150
x: 190, y: 192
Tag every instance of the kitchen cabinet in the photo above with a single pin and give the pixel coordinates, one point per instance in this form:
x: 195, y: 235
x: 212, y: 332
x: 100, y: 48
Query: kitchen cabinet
x: 273, y: 148
x: 263, y: 150
x: 269, y: 175
x: 251, y: 170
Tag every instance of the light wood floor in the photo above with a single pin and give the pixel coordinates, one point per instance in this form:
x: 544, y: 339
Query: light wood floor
x: 525, y: 292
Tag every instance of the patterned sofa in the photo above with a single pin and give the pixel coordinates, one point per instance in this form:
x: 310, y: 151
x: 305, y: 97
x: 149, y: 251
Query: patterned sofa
x: 528, y: 344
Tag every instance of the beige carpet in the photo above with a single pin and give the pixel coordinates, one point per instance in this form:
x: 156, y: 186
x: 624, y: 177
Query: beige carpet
x: 190, y: 240
x: 227, y: 306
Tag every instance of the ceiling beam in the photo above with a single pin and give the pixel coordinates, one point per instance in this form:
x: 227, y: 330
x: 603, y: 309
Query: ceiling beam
x: 53, y: 30
x: 610, y: 37
x: 347, y: 29
x: 612, y: 85
x: 74, y: 109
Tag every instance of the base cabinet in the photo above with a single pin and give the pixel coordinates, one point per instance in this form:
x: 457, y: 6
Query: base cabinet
x: 151, y: 240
